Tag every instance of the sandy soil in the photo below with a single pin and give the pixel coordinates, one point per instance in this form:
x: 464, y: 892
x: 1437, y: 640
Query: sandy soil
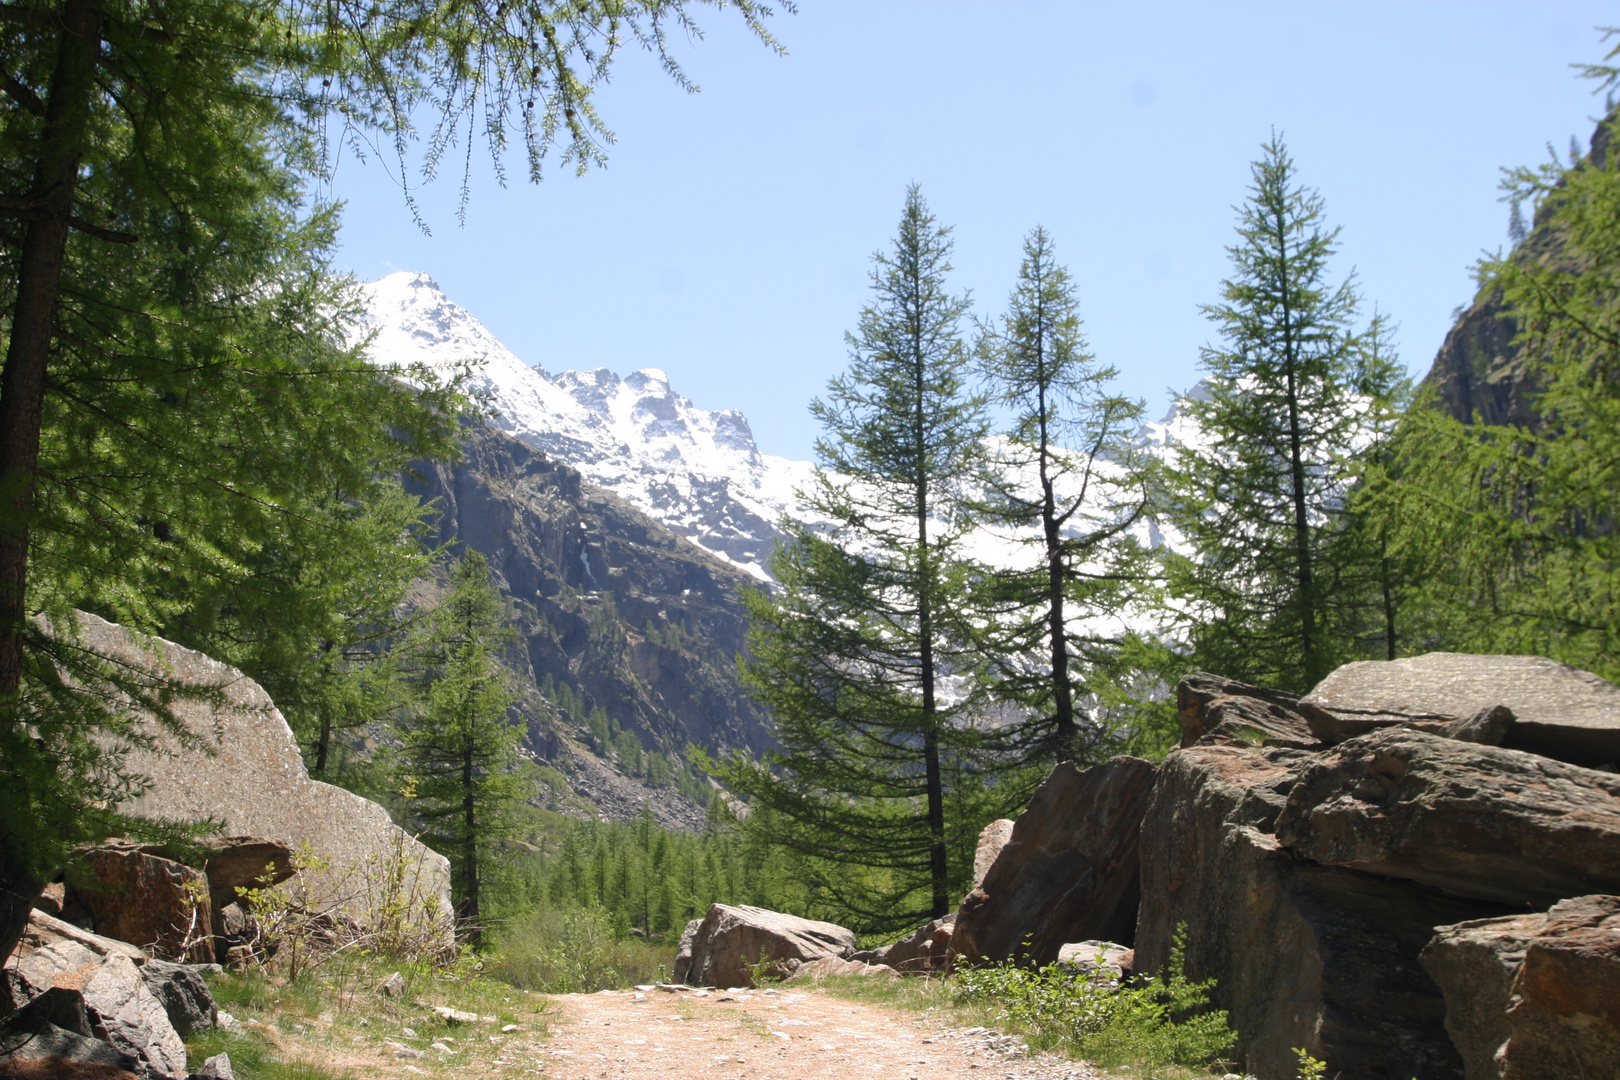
x: 773, y: 1035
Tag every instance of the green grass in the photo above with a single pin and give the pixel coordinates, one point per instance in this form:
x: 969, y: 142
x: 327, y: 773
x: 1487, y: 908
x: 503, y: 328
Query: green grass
x: 573, y: 951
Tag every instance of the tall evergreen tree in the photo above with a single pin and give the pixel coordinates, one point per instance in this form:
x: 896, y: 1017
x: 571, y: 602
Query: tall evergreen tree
x: 1069, y: 481
x: 1255, y: 487
x: 460, y: 744
x: 854, y: 652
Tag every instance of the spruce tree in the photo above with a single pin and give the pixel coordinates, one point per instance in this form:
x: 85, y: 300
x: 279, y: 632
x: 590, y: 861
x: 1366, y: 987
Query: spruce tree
x: 852, y: 654
x: 1255, y: 488
x: 1069, y: 482
x: 460, y: 744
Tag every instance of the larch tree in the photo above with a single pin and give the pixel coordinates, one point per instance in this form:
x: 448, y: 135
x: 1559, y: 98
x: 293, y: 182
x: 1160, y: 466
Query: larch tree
x: 1255, y: 488
x: 1069, y: 482
x: 854, y: 652
x: 461, y: 764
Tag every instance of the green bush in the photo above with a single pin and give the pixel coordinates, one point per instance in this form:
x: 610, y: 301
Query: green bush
x: 574, y: 951
x: 1164, y: 1021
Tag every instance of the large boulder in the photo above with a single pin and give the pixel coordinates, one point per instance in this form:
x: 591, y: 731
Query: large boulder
x: 683, y: 952
x: 733, y: 942
x: 1303, y: 956
x: 183, y: 994
x: 1559, y: 711
x: 1478, y: 821
x: 51, y: 1038
x: 1534, y: 997
x: 1069, y: 872
x: 125, y: 1013
x: 153, y: 902
x: 247, y: 772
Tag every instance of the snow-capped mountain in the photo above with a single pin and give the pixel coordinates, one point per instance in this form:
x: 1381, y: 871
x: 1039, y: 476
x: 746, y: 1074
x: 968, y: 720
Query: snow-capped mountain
x: 696, y: 470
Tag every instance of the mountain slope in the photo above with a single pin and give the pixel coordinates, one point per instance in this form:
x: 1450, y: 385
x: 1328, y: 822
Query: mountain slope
x: 617, y: 616
x: 697, y: 471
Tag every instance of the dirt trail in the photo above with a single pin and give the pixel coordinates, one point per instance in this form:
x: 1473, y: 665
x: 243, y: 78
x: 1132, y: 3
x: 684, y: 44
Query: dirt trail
x: 803, y: 1034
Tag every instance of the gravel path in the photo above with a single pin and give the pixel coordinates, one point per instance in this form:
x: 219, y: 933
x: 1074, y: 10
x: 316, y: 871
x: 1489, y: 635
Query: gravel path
x: 775, y: 1035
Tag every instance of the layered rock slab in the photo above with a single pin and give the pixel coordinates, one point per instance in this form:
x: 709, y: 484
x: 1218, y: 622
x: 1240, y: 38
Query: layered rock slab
x: 154, y: 902
x: 1477, y: 821
x: 734, y: 941
x: 1559, y: 711
x: 1304, y: 955
x: 1534, y: 997
x: 1215, y: 710
x: 1070, y: 871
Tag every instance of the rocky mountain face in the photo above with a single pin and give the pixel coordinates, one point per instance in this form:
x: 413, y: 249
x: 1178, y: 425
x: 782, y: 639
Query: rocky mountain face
x: 1479, y: 370
x: 625, y: 627
x: 697, y: 471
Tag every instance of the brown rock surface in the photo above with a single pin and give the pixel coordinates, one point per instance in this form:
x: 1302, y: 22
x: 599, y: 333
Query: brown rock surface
x: 152, y: 902
x: 1477, y: 821
x: 1218, y: 710
x: 1304, y: 956
x: 1534, y: 997
x: 1561, y: 712
x: 1070, y: 871
x: 732, y: 939
x: 928, y: 948
x: 253, y: 776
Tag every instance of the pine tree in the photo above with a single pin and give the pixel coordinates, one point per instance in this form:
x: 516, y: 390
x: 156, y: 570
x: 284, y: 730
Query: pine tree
x: 1255, y: 489
x: 852, y: 654
x: 460, y: 745
x: 1069, y: 482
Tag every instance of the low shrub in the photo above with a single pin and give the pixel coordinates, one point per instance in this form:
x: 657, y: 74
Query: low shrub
x: 573, y: 951
x: 1163, y: 1021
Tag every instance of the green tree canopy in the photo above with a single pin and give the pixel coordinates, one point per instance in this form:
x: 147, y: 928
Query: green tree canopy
x: 854, y: 653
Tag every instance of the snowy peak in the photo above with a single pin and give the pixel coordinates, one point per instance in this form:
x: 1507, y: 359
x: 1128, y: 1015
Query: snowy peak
x: 696, y: 470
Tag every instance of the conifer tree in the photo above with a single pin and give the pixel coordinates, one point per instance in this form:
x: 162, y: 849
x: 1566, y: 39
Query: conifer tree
x: 853, y: 653
x: 1254, y: 489
x: 1070, y: 483
x: 460, y: 744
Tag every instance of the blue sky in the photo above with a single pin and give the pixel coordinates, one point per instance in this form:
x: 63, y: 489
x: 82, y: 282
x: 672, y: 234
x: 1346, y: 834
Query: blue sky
x: 728, y: 239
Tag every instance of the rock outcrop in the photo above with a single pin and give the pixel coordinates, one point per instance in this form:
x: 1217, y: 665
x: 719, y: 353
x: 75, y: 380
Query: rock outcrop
x: 992, y: 838
x: 926, y: 949
x: 1069, y: 872
x: 248, y: 772
x: 1217, y: 711
x: 1558, y: 711
x: 1534, y: 997
x: 733, y: 942
x: 140, y: 897
x: 1477, y: 821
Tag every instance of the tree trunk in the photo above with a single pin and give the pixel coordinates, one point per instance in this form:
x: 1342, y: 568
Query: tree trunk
x: 469, y: 906
x: 933, y: 779
x: 22, y: 387
x: 1296, y: 437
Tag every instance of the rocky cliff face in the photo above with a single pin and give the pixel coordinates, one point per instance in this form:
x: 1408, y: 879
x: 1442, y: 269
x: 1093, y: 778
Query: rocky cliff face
x: 616, y: 613
x: 1478, y: 370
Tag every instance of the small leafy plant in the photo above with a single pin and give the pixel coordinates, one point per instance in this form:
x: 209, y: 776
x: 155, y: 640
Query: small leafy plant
x: 1163, y: 1021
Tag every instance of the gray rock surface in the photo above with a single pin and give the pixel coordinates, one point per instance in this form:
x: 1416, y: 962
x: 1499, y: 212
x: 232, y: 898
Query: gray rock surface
x: 733, y: 939
x: 1534, y: 997
x: 127, y: 1015
x: 217, y: 1067
x: 1561, y: 712
x: 992, y: 838
x: 1112, y: 960
x: 59, y: 1050
x: 1478, y: 821
x: 1069, y: 872
x: 1304, y: 955
x: 1488, y: 727
x: 254, y: 778
x: 683, y: 953
x: 45, y: 929
x: 184, y: 995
